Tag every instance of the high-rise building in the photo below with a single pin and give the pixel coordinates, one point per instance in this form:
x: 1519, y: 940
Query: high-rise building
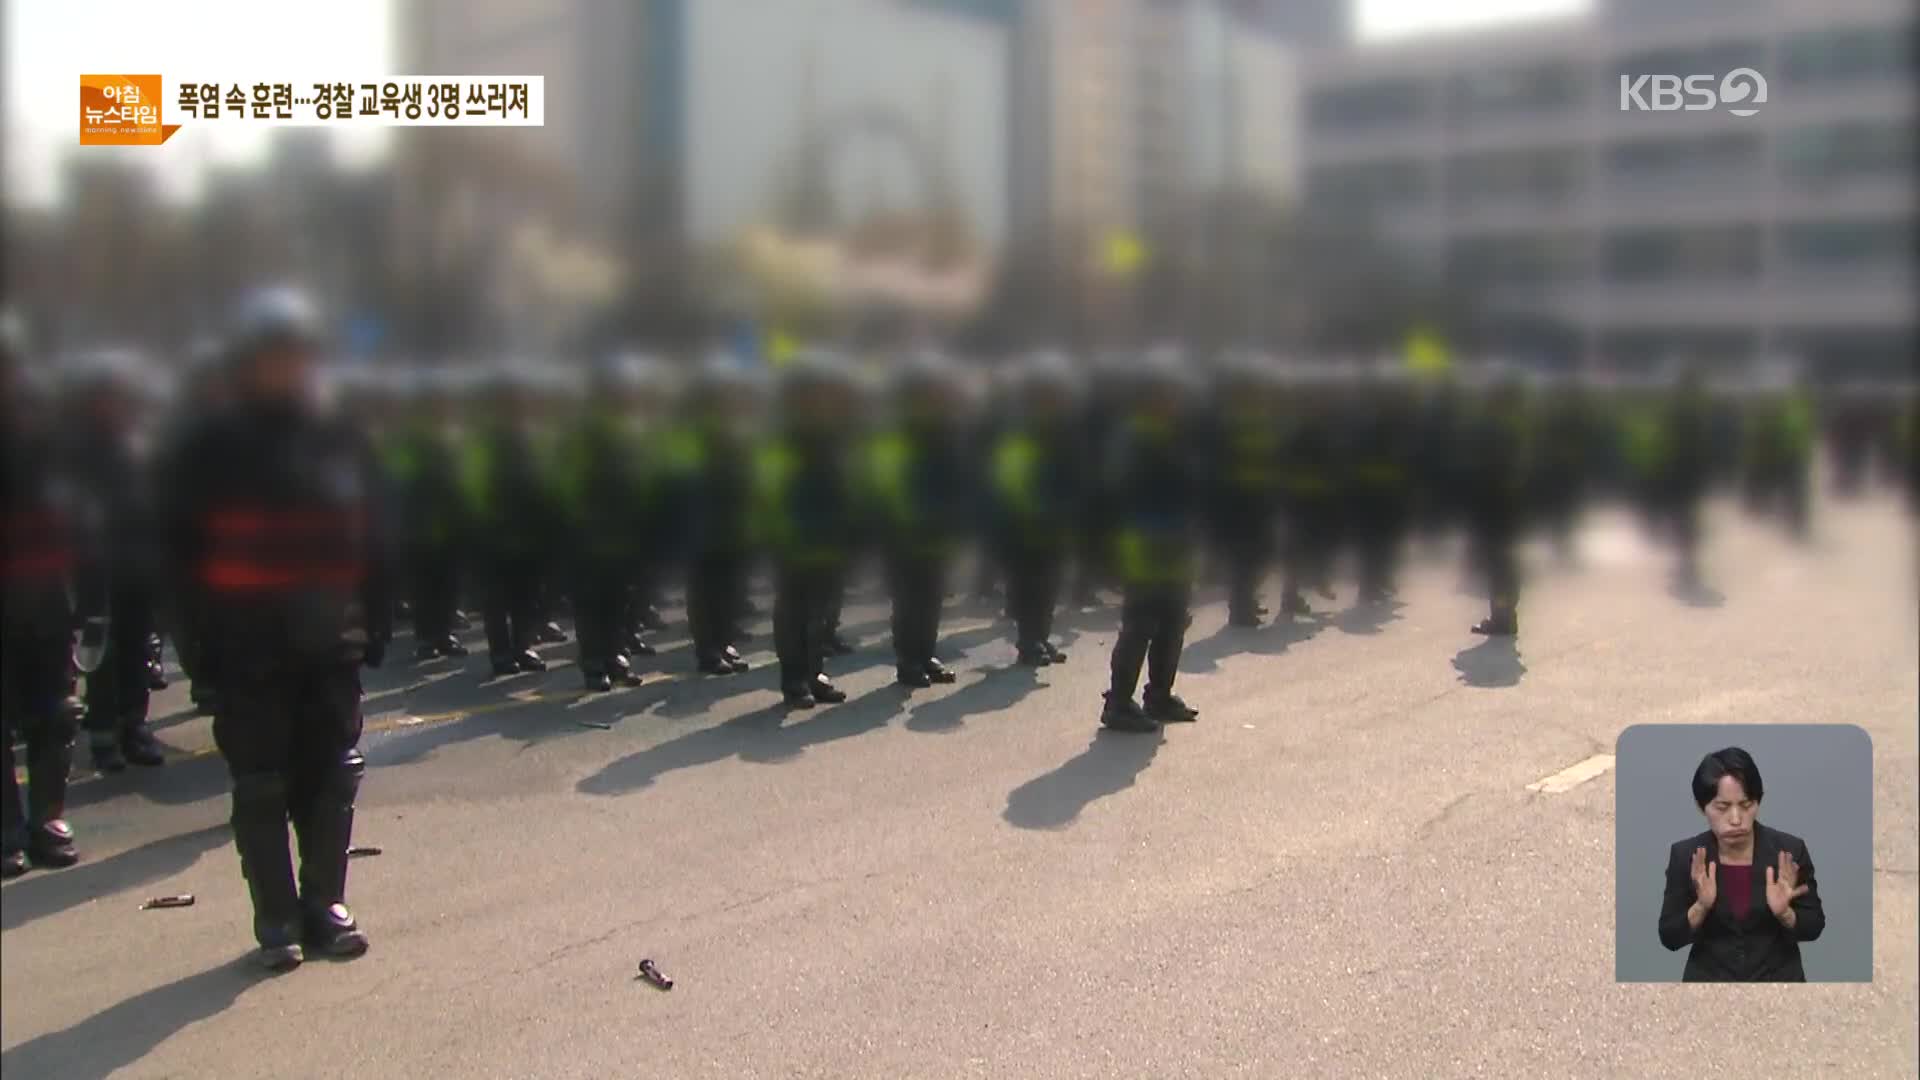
x: 1530, y: 163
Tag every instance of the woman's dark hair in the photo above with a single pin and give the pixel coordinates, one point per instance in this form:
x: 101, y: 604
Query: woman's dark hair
x: 1733, y: 762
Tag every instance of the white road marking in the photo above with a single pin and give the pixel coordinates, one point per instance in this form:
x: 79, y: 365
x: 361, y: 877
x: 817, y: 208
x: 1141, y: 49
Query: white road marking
x: 1573, y: 775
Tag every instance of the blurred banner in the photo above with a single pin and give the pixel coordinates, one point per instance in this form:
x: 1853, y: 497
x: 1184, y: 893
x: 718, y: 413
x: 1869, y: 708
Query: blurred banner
x: 126, y: 109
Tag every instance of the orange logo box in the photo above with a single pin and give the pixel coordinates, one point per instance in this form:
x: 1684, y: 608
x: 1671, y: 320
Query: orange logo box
x: 122, y: 110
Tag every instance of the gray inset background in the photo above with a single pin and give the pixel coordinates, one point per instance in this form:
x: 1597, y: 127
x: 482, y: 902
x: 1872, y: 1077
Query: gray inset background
x: 1819, y: 787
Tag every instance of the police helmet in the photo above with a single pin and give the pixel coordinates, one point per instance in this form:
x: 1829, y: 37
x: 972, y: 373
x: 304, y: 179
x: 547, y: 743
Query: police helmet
x: 274, y: 316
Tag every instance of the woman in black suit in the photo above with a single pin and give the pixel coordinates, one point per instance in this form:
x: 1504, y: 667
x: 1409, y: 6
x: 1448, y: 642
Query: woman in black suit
x: 1742, y: 894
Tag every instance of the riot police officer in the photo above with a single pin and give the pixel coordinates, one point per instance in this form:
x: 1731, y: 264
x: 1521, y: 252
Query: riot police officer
x: 508, y: 475
x: 921, y: 484
x: 609, y: 475
x: 107, y: 457
x: 423, y: 458
x: 1158, y: 500
x: 804, y: 494
x: 1243, y: 442
x: 712, y: 454
x: 1038, y: 480
x: 1379, y: 461
x: 1495, y: 456
x: 37, y: 565
x: 272, y: 511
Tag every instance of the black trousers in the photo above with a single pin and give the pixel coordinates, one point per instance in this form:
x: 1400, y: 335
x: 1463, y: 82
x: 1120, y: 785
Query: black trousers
x: 804, y: 602
x: 601, y: 603
x: 1493, y: 542
x: 716, y: 580
x: 290, y: 741
x: 35, y: 675
x: 1153, y: 630
x: 118, y: 693
x: 1313, y: 534
x: 436, y: 590
x: 918, y: 585
x: 1244, y: 542
x: 1379, y: 526
x: 1033, y: 591
x: 513, y: 606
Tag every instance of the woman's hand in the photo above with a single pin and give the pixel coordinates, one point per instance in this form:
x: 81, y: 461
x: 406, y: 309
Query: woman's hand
x: 1783, y: 888
x: 1706, y: 888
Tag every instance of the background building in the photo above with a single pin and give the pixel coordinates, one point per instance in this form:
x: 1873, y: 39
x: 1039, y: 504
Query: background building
x: 673, y: 125
x: 1630, y: 237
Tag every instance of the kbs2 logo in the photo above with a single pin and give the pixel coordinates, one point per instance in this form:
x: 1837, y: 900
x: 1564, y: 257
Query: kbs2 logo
x: 1740, y: 91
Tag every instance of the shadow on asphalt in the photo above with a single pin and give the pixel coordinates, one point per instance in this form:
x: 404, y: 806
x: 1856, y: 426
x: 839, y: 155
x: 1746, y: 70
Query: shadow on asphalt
x: 996, y: 689
x: 112, y: 1040
x: 1203, y: 656
x: 48, y: 892
x: 1109, y: 765
x: 180, y: 782
x: 1696, y: 594
x: 1368, y: 617
x: 1492, y: 664
x: 767, y: 736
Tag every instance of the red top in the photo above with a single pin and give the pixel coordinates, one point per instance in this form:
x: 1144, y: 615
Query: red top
x: 1736, y: 887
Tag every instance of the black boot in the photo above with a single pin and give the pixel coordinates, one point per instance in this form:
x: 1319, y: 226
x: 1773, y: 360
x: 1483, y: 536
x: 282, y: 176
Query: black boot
x: 104, y: 748
x: 13, y: 864
x: 715, y: 665
x: 260, y: 836
x: 425, y: 651
x: 529, y: 661
x: 1169, y: 709
x: 734, y: 660
x: 156, y: 676
x: 451, y: 646
x: 622, y: 671
x: 797, y: 696
x: 504, y: 666
x: 912, y: 677
x: 50, y: 845
x: 140, y: 747
x: 1499, y: 624
x: 325, y: 831
x: 1029, y: 654
x: 1121, y: 714
x: 940, y: 672
x: 49, y: 760
x: 551, y: 634
x: 1054, y: 653
x: 598, y: 683
x: 825, y: 692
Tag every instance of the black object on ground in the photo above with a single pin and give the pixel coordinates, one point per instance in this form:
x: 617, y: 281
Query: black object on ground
x: 653, y: 977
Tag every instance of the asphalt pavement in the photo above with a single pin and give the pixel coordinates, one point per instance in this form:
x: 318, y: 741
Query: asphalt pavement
x: 1340, y: 870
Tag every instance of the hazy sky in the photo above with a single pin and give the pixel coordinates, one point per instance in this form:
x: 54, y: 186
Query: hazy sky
x: 50, y: 43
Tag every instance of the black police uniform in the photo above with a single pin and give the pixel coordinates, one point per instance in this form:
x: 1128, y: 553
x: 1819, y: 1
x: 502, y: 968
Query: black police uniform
x: 924, y: 491
x: 1158, y: 502
x: 37, y: 617
x: 272, y: 518
x: 1037, y: 476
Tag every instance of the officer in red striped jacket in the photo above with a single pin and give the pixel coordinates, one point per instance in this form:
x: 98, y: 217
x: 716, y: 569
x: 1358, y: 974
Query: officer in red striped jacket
x: 272, y: 522
x: 37, y: 620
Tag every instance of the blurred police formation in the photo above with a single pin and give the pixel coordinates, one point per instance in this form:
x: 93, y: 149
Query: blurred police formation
x: 277, y: 534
